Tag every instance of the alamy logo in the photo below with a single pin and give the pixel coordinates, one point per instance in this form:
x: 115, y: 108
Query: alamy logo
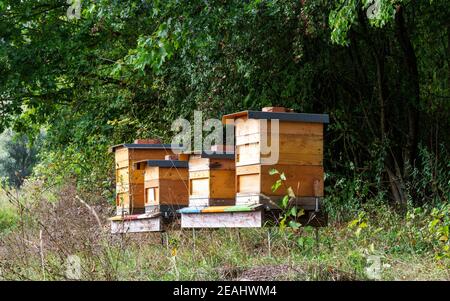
x: 73, y: 267
x: 74, y: 10
x: 373, y: 270
x: 374, y: 9
x: 265, y: 139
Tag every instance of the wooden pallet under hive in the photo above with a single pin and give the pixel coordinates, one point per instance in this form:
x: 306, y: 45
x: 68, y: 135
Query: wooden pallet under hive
x: 222, y: 217
x: 243, y: 216
x: 129, y: 180
x: 139, y: 223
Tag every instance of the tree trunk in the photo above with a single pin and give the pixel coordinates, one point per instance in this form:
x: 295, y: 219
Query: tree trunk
x: 412, y: 105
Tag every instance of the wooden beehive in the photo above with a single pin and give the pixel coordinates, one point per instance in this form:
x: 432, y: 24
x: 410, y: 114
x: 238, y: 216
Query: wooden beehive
x: 300, y: 156
x: 130, y: 180
x: 211, y: 179
x: 165, y: 185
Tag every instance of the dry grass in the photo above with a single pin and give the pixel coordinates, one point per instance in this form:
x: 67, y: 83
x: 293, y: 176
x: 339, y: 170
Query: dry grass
x: 56, y: 224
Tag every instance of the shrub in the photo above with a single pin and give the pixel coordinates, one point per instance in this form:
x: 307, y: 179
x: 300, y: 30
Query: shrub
x: 8, y: 219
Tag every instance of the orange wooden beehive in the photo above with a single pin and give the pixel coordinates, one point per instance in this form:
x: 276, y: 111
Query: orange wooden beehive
x: 211, y: 179
x: 300, y: 155
x: 165, y: 185
x: 130, y: 180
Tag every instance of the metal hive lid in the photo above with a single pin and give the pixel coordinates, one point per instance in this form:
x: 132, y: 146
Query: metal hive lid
x: 288, y: 116
x: 146, y: 146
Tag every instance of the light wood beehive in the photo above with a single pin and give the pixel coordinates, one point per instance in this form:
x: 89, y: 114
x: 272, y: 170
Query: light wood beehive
x: 165, y: 185
x: 300, y: 155
x: 211, y: 179
x: 130, y: 180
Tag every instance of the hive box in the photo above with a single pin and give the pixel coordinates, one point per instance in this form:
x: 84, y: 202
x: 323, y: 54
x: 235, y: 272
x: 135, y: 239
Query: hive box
x: 165, y: 185
x: 300, y: 156
x: 130, y: 181
x: 211, y: 179
x: 165, y: 191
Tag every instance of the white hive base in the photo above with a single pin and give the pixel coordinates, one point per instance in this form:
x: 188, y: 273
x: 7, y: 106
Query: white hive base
x: 152, y: 224
x: 251, y: 219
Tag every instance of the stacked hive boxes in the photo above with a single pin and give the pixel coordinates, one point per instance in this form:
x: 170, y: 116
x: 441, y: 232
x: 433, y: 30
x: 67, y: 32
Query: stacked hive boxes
x: 211, y: 179
x: 299, y: 155
x: 165, y: 191
x: 165, y: 185
x: 130, y: 180
x: 225, y: 189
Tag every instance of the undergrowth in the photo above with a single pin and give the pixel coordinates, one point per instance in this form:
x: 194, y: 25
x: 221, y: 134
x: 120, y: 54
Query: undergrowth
x: 55, y: 226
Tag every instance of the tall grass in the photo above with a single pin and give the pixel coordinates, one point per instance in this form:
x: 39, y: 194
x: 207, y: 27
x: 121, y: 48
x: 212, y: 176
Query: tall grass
x: 9, y: 216
x: 54, y: 226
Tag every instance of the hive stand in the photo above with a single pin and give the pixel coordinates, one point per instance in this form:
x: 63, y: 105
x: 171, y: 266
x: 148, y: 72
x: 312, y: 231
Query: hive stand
x: 130, y: 181
x: 165, y: 191
x: 137, y: 223
x: 252, y: 216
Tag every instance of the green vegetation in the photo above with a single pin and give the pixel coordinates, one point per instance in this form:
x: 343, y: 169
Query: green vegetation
x: 410, y: 247
x: 8, y: 217
x: 127, y: 69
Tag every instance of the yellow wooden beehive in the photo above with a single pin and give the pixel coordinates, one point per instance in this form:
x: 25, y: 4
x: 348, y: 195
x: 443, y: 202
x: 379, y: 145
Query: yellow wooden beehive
x: 300, y: 155
x: 211, y: 179
x: 165, y: 185
x: 130, y: 180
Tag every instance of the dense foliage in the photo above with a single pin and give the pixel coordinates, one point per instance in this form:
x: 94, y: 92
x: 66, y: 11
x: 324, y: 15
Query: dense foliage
x: 127, y: 69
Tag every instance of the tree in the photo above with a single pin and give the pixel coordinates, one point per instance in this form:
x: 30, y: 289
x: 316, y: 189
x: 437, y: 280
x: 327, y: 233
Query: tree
x: 127, y: 69
x: 18, y: 157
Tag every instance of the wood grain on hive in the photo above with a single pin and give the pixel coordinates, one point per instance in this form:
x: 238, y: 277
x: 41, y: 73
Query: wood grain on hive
x: 130, y: 180
x: 165, y: 185
x: 211, y: 179
x: 300, y: 154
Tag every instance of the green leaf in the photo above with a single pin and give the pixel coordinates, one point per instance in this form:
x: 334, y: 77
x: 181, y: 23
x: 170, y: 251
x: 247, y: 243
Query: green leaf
x: 285, y: 201
x: 433, y: 223
x: 294, y: 225
x: 283, y: 223
x: 293, y: 211
x: 276, y: 185
x: 273, y: 171
x: 353, y: 223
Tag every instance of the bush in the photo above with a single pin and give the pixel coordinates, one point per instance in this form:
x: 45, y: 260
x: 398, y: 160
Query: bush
x: 91, y: 169
x: 431, y: 225
x: 8, y: 219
